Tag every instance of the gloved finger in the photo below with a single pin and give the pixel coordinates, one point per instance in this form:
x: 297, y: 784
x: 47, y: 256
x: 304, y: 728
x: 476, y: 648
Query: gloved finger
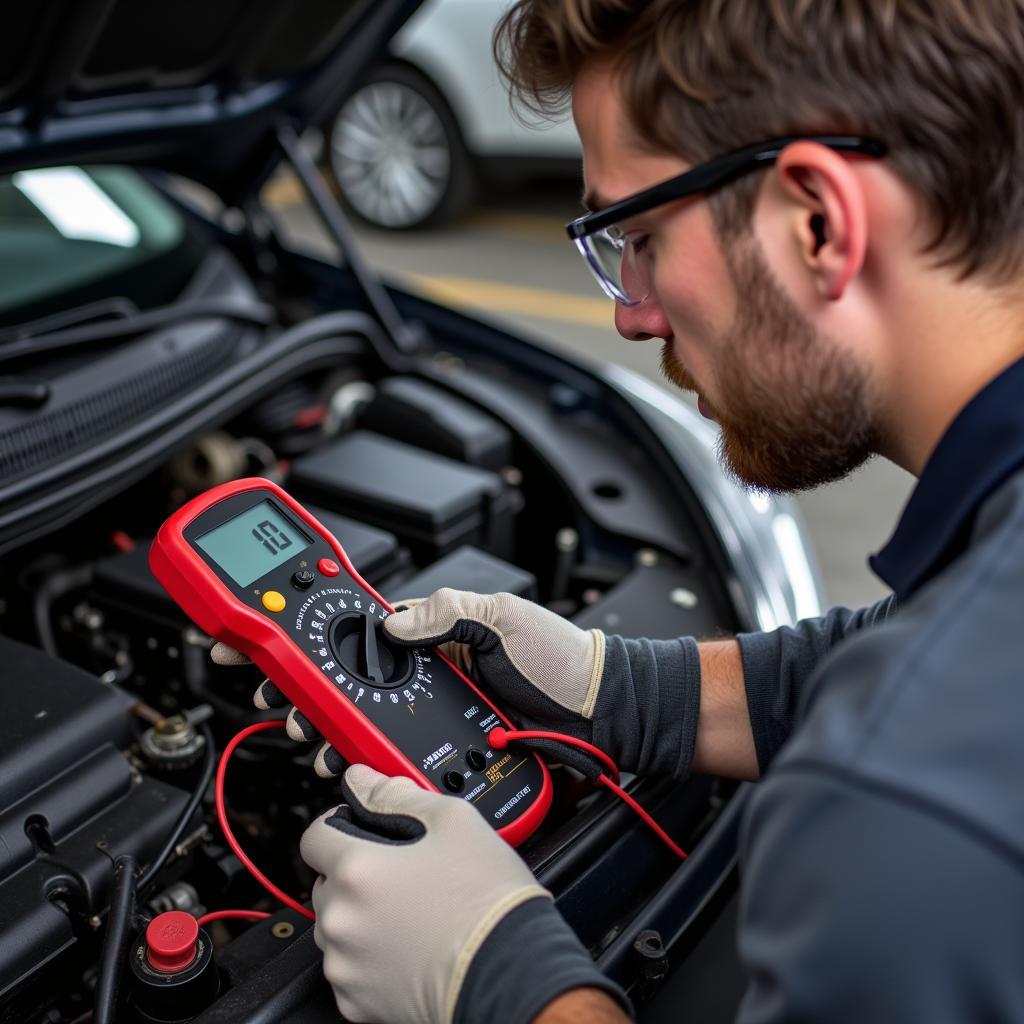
x: 460, y: 655
x: 371, y: 791
x: 376, y: 798
x: 530, y: 645
x: 395, y: 830
x: 299, y: 727
x: 227, y: 656
x: 329, y: 764
x: 446, y: 615
x: 377, y: 808
x: 532, y: 658
x: 379, y: 800
x: 268, y: 696
x: 318, y: 846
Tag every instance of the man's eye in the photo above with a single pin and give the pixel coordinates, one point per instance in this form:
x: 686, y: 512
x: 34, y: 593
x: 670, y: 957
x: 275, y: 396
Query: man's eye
x: 639, y: 243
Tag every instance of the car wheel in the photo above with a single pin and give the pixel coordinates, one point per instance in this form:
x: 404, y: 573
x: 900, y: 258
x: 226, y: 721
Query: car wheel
x: 397, y: 153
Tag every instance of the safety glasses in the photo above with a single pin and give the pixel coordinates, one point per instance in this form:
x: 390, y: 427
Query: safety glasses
x: 620, y: 263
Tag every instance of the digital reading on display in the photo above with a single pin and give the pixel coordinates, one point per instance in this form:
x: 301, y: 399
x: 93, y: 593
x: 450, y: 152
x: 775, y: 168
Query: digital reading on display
x: 253, y: 543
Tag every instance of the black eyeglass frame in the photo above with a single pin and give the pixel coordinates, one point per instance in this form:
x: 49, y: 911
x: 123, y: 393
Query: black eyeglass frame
x: 707, y: 177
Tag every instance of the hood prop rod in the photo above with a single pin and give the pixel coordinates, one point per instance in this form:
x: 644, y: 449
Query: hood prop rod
x: 406, y: 337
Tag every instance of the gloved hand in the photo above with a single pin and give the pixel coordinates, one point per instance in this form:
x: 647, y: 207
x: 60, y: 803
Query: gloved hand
x: 426, y: 916
x: 637, y: 700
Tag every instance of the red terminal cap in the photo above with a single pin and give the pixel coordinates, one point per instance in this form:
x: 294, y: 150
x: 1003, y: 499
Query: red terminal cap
x: 328, y: 567
x: 171, y: 941
x: 498, y: 738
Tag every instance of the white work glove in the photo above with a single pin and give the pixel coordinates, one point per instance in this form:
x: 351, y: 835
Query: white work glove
x: 637, y: 700
x: 425, y: 915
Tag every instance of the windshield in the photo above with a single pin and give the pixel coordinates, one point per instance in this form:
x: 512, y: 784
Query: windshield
x: 71, y: 234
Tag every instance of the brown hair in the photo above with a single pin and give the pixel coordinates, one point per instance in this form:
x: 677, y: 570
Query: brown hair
x: 941, y: 82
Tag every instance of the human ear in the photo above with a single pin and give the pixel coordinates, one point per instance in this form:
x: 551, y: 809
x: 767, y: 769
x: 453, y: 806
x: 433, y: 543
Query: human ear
x: 827, y: 214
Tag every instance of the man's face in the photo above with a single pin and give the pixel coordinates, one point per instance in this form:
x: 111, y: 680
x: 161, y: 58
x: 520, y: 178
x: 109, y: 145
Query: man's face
x: 792, y: 403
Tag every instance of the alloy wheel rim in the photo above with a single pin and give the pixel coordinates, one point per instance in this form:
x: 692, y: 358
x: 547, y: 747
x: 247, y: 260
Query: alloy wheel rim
x: 391, y: 154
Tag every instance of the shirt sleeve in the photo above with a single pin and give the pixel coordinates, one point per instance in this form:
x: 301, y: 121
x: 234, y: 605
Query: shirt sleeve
x: 777, y: 666
x: 864, y: 904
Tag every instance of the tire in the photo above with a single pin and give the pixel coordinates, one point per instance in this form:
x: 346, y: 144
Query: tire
x: 397, y: 154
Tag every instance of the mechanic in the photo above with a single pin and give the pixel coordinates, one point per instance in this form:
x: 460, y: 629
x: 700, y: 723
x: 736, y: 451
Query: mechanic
x: 853, y: 290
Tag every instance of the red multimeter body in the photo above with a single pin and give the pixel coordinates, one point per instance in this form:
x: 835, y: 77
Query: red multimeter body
x: 254, y: 569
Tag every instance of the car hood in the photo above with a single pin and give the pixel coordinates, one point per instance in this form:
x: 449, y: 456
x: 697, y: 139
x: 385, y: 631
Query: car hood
x: 196, y: 87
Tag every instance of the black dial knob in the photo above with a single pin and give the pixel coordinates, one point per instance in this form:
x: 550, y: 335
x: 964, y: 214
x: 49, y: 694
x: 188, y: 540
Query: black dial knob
x: 365, y: 652
x: 303, y: 579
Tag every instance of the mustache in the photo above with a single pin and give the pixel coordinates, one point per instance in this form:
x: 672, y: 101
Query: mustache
x: 674, y: 370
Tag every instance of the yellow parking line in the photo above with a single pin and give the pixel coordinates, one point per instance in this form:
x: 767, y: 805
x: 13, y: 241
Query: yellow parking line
x: 282, y: 191
x: 531, y: 226
x: 493, y: 297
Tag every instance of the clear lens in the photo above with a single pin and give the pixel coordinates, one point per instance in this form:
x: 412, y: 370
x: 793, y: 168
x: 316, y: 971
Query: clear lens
x: 620, y: 270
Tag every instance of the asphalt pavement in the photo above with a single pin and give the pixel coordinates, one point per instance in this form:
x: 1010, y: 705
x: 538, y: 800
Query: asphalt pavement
x: 508, y: 260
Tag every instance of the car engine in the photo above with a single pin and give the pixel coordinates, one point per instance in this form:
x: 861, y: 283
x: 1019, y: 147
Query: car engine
x: 167, y: 325
x: 468, y: 469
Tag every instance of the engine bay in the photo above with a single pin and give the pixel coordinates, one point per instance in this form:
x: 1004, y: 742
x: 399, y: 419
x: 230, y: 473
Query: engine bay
x: 477, y: 468
x: 182, y: 339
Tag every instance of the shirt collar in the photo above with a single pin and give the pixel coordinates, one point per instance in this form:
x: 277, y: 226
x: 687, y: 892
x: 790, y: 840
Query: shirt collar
x: 981, y: 448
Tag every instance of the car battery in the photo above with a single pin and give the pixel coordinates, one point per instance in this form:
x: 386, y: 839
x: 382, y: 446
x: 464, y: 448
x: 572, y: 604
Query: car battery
x: 660, y: 601
x: 375, y: 553
x: 431, y: 503
x: 426, y: 415
x: 467, y: 568
x: 124, y: 582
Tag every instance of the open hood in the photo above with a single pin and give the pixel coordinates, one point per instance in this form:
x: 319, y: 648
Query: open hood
x: 197, y: 87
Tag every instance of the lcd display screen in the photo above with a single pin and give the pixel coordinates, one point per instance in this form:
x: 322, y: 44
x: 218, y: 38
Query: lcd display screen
x: 253, y: 543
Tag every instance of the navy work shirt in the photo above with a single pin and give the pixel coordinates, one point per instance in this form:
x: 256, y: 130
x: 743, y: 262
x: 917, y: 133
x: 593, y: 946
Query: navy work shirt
x: 883, y: 853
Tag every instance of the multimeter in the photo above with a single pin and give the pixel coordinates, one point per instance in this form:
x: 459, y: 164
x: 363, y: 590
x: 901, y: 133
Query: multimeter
x: 251, y: 567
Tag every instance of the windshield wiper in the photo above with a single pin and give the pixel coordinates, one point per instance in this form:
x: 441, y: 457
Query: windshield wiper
x: 24, y: 392
x: 245, y: 310
x: 112, y: 308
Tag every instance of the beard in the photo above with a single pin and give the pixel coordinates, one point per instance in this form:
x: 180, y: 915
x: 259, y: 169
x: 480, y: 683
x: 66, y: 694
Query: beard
x: 792, y: 405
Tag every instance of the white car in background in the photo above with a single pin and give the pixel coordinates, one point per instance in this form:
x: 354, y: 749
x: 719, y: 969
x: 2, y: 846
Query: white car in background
x: 411, y: 145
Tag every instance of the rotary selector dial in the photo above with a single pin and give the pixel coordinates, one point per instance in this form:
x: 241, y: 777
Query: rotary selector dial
x: 365, y: 652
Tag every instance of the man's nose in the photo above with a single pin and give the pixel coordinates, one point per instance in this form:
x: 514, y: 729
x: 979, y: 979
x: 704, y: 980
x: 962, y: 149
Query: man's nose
x: 643, y: 321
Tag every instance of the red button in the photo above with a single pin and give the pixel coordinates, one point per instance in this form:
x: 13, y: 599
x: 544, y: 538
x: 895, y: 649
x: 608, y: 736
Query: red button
x: 171, y: 941
x: 328, y: 567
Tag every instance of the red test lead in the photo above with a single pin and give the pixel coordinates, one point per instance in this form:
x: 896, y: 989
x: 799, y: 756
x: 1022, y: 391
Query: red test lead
x: 500, y: 738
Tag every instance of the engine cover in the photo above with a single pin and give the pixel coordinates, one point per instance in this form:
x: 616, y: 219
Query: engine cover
x: 69, y: 804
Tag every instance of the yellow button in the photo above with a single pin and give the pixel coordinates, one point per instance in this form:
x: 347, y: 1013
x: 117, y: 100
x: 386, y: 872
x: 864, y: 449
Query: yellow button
x: 273, y: 601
